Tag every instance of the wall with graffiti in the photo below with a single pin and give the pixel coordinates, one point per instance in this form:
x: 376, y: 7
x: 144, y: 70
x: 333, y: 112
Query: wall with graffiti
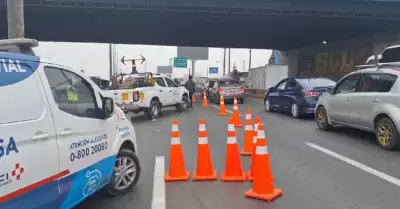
x: 337, y: 61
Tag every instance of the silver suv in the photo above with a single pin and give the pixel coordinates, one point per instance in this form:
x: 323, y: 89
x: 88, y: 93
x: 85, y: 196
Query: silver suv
x: 367, y: 99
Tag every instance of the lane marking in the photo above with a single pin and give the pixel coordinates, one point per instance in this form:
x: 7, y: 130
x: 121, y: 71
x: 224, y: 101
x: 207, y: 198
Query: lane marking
x: 159, y: 201
x: 219, y: 108
x: 354, y: 163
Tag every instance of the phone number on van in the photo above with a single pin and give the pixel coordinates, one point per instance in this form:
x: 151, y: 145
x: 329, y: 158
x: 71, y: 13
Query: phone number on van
x: 84, y: 152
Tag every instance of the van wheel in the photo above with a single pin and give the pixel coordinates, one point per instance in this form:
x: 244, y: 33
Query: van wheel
x: 126, y: 173
x: 184, y: 105
x: 387, y: 134
x: 154, y: 110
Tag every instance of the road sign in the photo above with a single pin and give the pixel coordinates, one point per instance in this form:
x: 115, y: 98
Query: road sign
x: 180, y: 62
x: 213, y: 70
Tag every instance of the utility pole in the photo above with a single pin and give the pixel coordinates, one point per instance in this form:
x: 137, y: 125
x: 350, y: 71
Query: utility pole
x: 193, y: 67
x: 249, y: 59
x: 223, y: 72
x: 110, y: 57
x: 15, y: 18
x: 229, y: 61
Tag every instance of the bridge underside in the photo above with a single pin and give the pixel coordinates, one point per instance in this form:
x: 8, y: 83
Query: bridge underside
x: 193, y: 29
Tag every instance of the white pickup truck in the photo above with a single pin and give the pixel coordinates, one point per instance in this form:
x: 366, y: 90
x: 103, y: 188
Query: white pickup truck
x: 133, y: 93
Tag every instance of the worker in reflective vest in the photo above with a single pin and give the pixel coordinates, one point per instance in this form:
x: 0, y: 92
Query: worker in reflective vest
x: 72, y: 95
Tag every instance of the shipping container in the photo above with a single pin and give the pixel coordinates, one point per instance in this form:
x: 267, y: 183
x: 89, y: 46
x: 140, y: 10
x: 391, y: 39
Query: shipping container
x: 264, y: 77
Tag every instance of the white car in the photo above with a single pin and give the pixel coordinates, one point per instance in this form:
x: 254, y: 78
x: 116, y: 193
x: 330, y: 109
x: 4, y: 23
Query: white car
x: 56, y: 148
x: 141, y: 97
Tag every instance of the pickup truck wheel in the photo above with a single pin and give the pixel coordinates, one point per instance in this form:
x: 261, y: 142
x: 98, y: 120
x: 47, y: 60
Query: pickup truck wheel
x: 126, y: 173
x: 184, y: 105
x: 154, y: 110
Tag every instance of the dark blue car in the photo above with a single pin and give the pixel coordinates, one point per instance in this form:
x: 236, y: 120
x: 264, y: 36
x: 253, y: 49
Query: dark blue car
x: 297, y: 95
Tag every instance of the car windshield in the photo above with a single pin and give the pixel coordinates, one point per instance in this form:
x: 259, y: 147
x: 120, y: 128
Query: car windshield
x: 315, y: 82
x: 229, y: 83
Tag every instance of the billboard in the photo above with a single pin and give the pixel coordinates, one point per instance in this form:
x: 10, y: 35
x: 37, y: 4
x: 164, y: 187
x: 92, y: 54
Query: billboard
x: 193, y: 53
x: 213, y: 70
x: 164, y: 69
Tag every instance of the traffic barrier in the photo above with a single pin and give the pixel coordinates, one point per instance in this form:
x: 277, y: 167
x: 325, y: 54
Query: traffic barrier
x: 248, y: 135
x: 193, y: 99
x: 177, y: 171
x: 233, y: 166
x: 250, y: 176
x: 236, y: 114
x: 263, y: 185
x: 204, y: 170
x: 205, y: 100
x: 222, y: 108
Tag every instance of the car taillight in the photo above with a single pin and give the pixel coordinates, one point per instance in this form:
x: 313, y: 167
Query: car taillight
x: 241, y: 88
x: 311, y: 94
x: 220, y: 89
x: 135, y: 95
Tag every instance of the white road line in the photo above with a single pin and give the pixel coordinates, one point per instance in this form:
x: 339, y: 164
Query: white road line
x: 159, y: 201
x: 218, y: 108
x: 354, y: 163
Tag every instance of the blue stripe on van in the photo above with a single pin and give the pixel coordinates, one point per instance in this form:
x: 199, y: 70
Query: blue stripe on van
x: 15, y: 68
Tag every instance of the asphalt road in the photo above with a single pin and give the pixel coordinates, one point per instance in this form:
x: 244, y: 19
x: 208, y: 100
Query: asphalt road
x: 340, y: 169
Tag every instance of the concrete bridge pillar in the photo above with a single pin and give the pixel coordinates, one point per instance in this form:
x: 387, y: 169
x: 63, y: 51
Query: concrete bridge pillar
x: 15, y: 18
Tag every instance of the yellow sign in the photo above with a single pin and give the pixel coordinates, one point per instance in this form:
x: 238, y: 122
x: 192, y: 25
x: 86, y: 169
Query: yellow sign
x: 141, y: 95
x: 125, y: 96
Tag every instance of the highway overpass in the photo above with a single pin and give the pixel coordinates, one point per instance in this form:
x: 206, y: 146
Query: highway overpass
x: 284, y: 24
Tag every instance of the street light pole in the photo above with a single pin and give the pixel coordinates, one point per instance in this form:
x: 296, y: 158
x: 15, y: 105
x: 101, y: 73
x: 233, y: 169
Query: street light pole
x: 229, y: 61
x: 223, y: 72
x: 15, y: 18
x: 249, y: 59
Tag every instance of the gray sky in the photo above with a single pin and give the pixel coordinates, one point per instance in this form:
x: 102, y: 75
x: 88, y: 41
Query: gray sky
x: 94, y: 58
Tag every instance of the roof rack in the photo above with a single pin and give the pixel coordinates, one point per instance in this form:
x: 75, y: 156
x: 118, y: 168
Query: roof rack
x: 19, y: 45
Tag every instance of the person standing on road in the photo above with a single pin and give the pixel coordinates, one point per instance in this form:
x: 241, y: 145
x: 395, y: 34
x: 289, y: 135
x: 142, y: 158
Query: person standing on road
x: 191, y: 87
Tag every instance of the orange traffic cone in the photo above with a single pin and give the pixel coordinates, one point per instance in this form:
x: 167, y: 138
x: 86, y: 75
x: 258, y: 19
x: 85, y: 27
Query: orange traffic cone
x: 233, y: 166
x: 222, y: 108
x: 205, y: 100
x: 177, y: 171
x: 263, y: 185
x: 250, y: 176
x: 236, y: 114
x: 248, y: 135
x: 205, y: 170
x: 193, y: 99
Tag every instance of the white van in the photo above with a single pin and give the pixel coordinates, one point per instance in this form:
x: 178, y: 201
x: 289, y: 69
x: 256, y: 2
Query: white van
x: 61, y: 140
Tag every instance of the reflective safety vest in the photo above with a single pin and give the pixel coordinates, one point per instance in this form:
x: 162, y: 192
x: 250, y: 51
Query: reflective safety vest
x: 71, y: 94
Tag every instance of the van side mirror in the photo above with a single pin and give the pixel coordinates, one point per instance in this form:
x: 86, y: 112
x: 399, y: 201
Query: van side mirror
x: 330, y: 90
x: 108, y: 107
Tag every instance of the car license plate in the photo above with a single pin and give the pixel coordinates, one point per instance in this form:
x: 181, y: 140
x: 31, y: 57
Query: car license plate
x: 125, y: 96
x: 232, y: 90
x: 141, y: 95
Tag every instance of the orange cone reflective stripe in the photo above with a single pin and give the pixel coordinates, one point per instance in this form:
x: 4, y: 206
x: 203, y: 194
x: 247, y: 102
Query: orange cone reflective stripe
x: 177, y: 171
